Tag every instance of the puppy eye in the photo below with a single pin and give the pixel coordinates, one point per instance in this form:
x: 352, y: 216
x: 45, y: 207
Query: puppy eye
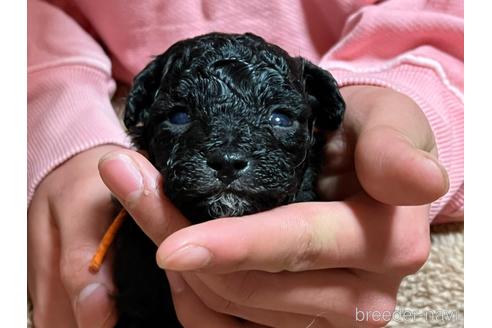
x: 280, y: 119
x: 179, y: 118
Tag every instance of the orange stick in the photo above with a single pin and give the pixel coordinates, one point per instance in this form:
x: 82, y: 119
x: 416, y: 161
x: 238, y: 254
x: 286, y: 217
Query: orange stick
x: 106, y: 242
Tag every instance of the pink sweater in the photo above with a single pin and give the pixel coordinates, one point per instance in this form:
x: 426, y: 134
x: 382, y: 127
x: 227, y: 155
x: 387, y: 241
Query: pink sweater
x: 77, y: 49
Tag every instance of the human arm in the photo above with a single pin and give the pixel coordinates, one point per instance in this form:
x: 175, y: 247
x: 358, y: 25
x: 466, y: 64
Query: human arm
x: 415, y: 48
x: 71, y: 124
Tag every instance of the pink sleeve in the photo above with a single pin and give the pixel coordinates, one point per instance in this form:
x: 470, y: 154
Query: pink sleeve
x: 414, y: 47
x: 69, y: 92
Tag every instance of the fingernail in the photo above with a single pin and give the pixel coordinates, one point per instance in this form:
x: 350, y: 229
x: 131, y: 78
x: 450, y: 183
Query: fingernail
x: 93, y: 306
x: 187, y: 258
x: 125, y: 178
x: 433, y: 166
x: 176, y: 282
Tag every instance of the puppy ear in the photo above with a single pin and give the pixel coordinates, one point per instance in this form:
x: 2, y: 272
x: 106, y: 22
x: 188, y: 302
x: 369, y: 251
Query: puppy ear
x: 325, y: 98
x: 142, y: 95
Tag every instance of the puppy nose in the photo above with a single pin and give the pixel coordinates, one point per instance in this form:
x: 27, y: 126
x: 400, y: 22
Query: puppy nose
x: 229, y: 165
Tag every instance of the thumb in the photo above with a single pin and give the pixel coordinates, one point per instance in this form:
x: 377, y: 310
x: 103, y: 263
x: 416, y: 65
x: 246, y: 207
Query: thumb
x: 395, y: 168
x: 81, y: 232
x: 138, y: 186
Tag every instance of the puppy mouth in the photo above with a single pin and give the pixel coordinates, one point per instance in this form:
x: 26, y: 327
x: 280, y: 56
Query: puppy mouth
x: 228, y: 203
x: 215, y: 199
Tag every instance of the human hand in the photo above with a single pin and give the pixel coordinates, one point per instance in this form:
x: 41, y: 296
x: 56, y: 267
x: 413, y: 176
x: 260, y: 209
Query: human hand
x: 310, y: 264
x: 386, y: 145
x: 67, y: 217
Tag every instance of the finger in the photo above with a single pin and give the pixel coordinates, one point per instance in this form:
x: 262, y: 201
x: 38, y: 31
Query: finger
x: 191, y: 311
x: 51, y: 305
x: 261, y: 316
x: 357, y: 233
x: 396, y: 156
x: 323, y: 294
x: 138, y: 186
x: 80, y: 232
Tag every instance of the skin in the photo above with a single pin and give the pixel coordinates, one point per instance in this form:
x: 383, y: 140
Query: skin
x: 301, y: 265
x: 69, y: 213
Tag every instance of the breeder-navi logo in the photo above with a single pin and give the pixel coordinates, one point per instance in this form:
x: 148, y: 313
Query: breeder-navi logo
x: 407, y: 315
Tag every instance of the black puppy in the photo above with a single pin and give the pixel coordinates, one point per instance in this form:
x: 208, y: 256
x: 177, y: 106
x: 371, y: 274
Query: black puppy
x: 235, y: 126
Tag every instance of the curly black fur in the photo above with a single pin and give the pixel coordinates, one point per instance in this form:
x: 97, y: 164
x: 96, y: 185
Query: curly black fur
x: 207, y: 112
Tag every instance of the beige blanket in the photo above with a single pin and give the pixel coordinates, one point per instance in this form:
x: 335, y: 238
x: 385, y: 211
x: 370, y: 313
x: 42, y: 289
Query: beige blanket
x: 434, y: 296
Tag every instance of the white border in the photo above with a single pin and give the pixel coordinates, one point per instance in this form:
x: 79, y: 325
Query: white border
x: 13, y: 287
x: 478, y: 167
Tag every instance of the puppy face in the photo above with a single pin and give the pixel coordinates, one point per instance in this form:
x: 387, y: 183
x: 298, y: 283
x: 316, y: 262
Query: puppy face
x: 230, y: 122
